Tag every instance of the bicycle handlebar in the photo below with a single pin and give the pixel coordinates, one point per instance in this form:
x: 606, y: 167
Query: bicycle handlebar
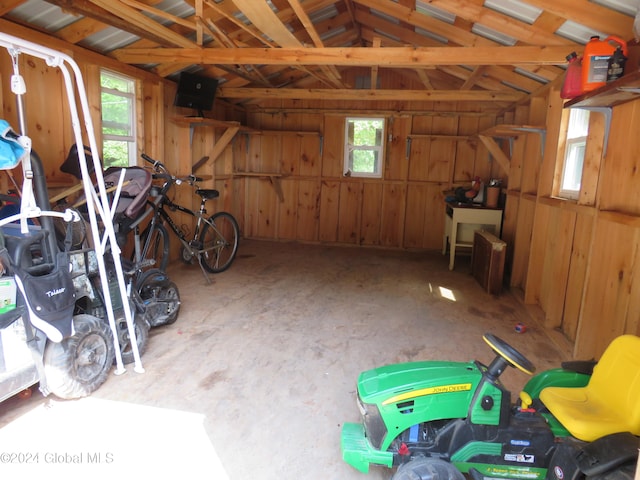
x: 162, y: 172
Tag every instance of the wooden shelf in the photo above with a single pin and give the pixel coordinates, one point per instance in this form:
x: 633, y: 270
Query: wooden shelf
x: 507, y: 130
x: 619, y: 91
x: 299, y: 133
x: 274, y: 179
x: 204, y: 121
x: 457, y: 138
x: 257, y: 174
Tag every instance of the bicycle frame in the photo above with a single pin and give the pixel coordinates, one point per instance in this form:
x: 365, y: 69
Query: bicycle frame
x: 160, y: 214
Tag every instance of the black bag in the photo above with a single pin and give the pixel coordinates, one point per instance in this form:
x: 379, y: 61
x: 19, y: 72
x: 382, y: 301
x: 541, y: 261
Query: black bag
x: 50, y: 298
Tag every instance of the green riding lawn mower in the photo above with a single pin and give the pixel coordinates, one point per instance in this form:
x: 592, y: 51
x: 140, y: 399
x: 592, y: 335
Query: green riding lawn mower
x: 439, y: 420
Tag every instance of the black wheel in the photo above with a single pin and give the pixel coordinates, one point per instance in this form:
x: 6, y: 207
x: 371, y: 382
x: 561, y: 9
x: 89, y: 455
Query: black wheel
x: 220, y: 244
x: 624, y: 472
x: 77, y: 366
x: 155, y: 245
x: 510, y: 354
x: 427, y: 469
x: 160, y: 297
x: 140, y: 324
x: 141, y: 328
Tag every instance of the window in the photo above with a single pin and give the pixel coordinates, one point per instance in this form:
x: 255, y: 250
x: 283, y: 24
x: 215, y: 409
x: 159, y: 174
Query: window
x: 577, y: 131
x: 118, y: 98
x: 363, y: 149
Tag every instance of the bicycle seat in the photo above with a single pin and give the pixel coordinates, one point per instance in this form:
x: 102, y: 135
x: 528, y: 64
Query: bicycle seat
x: 208, y: 193
x: 135, y: 189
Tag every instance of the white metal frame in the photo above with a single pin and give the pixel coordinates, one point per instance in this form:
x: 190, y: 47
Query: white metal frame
x: 95, y: 202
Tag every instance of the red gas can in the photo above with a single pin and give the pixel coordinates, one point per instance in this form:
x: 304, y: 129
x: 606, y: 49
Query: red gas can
x: 572, y: 85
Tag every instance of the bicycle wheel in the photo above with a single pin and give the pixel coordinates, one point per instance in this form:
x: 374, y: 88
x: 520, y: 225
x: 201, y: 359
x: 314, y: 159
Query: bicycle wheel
x: 155, y: 245
x: 219, y: 239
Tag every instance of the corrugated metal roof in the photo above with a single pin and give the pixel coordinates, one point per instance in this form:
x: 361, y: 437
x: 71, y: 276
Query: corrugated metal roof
x: 339, y: 23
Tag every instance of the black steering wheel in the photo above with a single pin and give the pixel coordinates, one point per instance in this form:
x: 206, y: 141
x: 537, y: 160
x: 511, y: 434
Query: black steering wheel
x: 507, y: 355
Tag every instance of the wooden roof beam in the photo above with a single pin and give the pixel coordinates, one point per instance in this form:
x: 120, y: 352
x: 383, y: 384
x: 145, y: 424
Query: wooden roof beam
x: 85, y: 8
x: 393, y: 57
x: 134, y: 17
x: 361, y: 94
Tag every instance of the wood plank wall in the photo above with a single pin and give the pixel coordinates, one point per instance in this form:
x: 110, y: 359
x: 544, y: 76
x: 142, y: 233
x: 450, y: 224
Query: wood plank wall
x: 578, y: 261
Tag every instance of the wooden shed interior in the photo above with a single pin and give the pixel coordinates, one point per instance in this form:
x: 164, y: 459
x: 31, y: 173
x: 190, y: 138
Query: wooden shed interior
x: 467, y: 89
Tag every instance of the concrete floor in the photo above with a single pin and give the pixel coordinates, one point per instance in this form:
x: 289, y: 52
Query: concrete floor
x: 257, y: 375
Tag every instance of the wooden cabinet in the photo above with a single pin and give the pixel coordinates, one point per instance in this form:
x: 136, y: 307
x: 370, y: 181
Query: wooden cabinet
x: 487, y: 261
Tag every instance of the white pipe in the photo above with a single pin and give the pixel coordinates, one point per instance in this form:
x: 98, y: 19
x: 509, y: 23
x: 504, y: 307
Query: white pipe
x: 54, y: 58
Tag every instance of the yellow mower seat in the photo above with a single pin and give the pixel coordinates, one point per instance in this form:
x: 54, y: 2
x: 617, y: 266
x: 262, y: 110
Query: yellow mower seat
x: 610, y: 403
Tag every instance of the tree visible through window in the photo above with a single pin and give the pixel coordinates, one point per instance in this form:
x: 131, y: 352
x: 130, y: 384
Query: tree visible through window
x: 117, y: 94
x: 364, y: 141
x: 577, y: 132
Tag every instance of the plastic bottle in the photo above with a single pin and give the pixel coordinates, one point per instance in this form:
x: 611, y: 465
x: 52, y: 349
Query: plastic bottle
x: 616, y: 65
x: 572, y: 85
x: 595, y: 62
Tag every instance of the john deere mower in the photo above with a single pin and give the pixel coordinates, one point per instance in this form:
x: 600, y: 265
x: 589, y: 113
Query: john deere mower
x: 439, y: 420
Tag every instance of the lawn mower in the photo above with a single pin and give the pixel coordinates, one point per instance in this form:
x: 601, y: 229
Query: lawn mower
x: 439, y: 420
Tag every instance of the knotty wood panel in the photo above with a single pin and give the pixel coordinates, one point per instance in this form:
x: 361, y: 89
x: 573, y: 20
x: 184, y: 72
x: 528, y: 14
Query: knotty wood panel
x: 329, y: 207
x: 371, y: 218
x: 252, y: 204
x: 290, y: 158
x: 267, y: 207
x: 440, y: 162
x: 308, y: 210
x: 397, y: 163
x: 619, y: 181
x: 332, y: 161
x: 288, y: 210
x: 612, y: 275
x: 46, y: 117
x: 435, y: 217
x: 392, y: 211
x: 522, y: 243
x: 310, y: 164
x: 419, y: 159
x: 350, y: 212
x: 416, y: 218
x: 536, y: 250
x: 509, y: 223
x: 577, y: 275
x: 466, y: 160
x: 270, y: 151
x: 555, y: 267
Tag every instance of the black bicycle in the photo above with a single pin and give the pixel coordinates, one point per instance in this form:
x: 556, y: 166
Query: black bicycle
x: 214, y: 243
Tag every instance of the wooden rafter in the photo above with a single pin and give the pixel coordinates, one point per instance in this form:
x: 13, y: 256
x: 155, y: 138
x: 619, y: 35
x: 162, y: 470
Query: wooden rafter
x: 473, y: 78
x: 266, y: 20
x: 377, y: 41
x: 398, y: 57
x: 241, y: 26
x: 133, y: 17
x: 424, y: 78
x: 510, y: 26
x: 329, y: 70
x: 96, y: 12
x: 349, y: 94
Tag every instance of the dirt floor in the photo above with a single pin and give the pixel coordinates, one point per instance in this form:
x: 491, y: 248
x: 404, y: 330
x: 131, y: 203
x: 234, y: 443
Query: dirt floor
x: 257, y: 376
